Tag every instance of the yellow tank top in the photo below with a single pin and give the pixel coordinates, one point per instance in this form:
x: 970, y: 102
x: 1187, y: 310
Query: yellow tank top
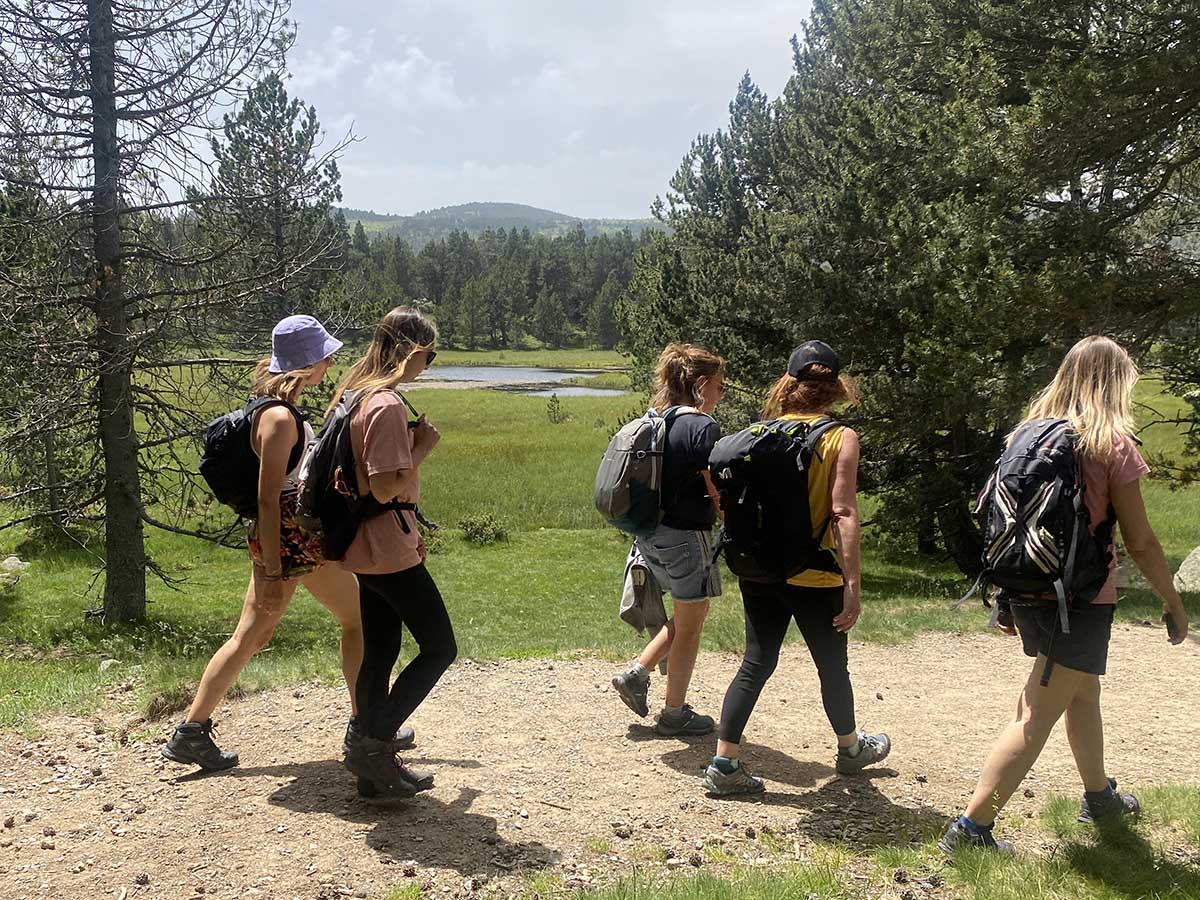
x: 820, y: 499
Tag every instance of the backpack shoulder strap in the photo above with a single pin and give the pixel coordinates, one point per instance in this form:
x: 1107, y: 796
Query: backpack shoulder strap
x: 818, y: 430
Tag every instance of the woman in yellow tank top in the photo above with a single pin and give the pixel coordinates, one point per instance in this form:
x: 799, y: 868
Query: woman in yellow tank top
x: 825, y: 605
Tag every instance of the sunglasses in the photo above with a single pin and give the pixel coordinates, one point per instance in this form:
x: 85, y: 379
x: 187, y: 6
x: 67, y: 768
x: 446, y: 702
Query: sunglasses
x: 430, y: 356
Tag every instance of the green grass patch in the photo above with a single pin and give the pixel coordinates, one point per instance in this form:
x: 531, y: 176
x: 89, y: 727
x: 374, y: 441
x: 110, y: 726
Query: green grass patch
x: 612, y: 381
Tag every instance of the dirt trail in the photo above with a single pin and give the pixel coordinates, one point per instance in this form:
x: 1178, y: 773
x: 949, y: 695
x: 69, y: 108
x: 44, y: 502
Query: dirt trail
x: 539, y: 766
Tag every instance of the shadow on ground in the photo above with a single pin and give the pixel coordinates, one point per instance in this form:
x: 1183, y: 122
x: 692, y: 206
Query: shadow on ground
x: 425, y: 829
x: 848, y: 809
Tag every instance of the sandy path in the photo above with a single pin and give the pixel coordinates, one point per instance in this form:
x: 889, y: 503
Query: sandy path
x: 540, y: 766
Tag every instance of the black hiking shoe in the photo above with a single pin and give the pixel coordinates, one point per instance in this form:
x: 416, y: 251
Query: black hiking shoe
x: 957, y: 836
x: 632, y: 689
x: 686, y: 721
x: 1106, y: 810
x: 192, y: 743
x: 405, y: 738
x: 374, y: 761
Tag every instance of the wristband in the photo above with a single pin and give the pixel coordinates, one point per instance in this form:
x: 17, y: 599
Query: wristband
x: 266, y: 576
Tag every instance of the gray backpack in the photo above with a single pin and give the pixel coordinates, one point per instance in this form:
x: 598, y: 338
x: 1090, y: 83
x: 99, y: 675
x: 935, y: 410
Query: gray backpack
x: 628, y: 491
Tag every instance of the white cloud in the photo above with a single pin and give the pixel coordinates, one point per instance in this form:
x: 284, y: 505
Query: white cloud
x: 414, y: 82
x: 328, y: 62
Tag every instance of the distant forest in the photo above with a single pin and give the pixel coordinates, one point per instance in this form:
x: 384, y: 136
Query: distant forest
x: 500, y: 288
x: 476, y: 218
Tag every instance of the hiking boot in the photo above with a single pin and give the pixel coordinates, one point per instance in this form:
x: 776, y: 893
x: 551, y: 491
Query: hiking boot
x: 686, y: 721
x: 957, y: 836
x: 729, y: 784
x: 405, y: 738
x: 1104, y: 810
x: 192, y: 743
x: 632, y: 689
x: 872, y: 748
x: 375, y: 761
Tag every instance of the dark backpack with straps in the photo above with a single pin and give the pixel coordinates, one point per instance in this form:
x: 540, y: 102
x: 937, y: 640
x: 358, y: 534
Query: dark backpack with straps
x: 1038, y: 545
x: 761, y: 474
x: 228, y: 461
x: 330, y: 501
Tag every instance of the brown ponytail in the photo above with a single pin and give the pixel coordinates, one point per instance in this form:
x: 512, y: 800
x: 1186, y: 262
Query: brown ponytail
x: 678, y: 372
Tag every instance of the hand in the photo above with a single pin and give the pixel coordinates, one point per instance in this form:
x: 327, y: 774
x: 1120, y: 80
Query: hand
x: 425, y: 435
x: 1004, y: 618
x: 1177, y: 625
x: 851, y: 609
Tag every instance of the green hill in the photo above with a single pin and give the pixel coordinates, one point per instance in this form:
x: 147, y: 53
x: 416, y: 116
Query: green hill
x: 475, y: 218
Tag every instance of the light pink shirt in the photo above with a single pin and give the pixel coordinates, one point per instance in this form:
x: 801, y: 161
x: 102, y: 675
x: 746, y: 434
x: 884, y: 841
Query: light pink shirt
x: 382, y: 442
x: 1100, y: 476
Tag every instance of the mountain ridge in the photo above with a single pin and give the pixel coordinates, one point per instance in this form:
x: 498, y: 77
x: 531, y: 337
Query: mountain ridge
x: 476, y: 217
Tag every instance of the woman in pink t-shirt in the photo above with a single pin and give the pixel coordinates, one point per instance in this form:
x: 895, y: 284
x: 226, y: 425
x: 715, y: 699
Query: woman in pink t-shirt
x: 1094, y: 391
x: 388, y: 557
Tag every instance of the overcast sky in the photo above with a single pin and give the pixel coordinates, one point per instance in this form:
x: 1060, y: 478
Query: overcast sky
x: 585, y: 108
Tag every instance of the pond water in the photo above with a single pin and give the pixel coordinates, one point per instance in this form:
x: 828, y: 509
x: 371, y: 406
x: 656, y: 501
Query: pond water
x: 515, y: 379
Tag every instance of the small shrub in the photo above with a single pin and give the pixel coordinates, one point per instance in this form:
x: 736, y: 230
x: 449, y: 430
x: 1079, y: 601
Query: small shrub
x: 483, y: 528
x: 556, y: 412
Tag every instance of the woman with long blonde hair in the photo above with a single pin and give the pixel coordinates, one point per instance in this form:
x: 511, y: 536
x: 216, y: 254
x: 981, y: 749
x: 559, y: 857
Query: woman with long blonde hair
x: 388, y: 555
x: 679, y: 556
x: 283, y: 554
x: 1093, y: 392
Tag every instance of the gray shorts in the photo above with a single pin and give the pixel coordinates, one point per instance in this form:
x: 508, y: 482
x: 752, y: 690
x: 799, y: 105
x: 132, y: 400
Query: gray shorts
x: 682, y: 563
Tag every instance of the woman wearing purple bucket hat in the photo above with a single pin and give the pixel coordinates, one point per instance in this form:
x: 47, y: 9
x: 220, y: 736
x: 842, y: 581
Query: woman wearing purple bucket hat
x: 283, y: 554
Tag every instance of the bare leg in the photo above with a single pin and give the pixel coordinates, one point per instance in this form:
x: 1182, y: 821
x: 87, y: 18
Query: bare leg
x: 1038, y: 709
x: 1085, y: 733
x: 659, y: 647
x: 681, y: 660
x: 337, y: 590
x: 253, y: 632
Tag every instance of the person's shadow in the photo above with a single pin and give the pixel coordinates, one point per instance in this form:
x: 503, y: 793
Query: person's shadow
x: 1125, y: 862
x: 424, y: 829
x: 849, y: 809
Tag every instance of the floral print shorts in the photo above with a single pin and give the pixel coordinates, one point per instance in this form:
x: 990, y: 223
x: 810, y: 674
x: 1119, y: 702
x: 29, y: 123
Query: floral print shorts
x: 299, y: 548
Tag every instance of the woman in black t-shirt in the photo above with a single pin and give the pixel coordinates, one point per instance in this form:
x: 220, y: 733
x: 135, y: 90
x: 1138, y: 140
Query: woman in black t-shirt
x: 679, y: 555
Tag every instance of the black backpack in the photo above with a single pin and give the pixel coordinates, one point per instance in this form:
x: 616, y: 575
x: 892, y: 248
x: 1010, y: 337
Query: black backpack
x: 761, y: 474
x: 330, y: 503
x: 1038, y: 547
x: 228, y: 461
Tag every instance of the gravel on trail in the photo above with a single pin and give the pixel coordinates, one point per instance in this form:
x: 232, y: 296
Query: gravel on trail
x: 540, y: 767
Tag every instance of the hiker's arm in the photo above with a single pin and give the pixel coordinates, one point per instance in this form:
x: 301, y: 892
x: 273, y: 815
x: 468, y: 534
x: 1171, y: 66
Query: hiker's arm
x: 403, y: 485
x: 713, y: 493
x: 1144, y: 549
x: 845, y: 525
x: 275, y: 431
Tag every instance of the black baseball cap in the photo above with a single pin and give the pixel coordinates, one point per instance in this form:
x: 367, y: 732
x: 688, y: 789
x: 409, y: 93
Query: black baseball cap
x: 813, y: 353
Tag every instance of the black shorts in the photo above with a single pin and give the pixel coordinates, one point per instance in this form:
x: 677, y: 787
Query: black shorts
x: 1085, y: 648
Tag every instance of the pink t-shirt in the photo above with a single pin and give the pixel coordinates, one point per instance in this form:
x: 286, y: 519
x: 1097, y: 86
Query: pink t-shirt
x: 382, y: 442
x: 1100, y: 476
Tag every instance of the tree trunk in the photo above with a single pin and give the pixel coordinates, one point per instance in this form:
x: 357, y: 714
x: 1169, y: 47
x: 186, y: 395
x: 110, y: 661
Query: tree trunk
x: 125, y: 570
x: 53, y: 479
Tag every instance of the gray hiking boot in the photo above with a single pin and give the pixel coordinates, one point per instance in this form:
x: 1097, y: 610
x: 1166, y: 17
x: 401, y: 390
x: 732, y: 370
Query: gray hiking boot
x: 686, y: 721
x: 192, y: 743
x: 375, y: 762
x: 957, y: 837
x: 872, y: 748
x: 632, y: 689
x: 729, y: 784
x: 1106, y: 810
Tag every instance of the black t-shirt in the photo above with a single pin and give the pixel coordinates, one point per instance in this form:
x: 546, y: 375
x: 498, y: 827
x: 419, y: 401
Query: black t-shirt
x: 685, y: 501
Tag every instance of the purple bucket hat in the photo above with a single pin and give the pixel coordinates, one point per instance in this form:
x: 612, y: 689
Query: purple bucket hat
x: 298, y: 342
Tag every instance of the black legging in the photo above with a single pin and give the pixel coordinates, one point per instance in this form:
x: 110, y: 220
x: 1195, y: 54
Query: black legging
x: 408, y: 598
x: 769, y: 610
